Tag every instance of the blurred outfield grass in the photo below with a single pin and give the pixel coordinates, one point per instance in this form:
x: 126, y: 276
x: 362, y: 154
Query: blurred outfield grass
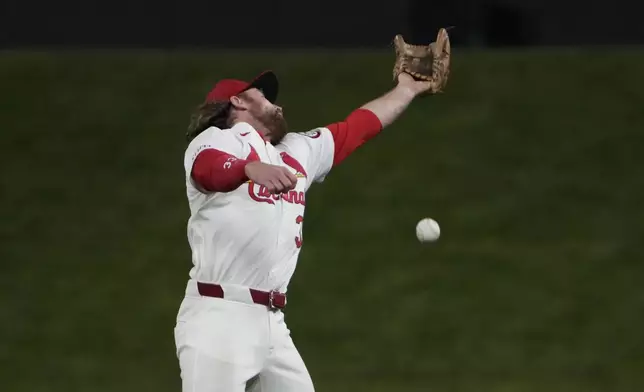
x: 531, y: 162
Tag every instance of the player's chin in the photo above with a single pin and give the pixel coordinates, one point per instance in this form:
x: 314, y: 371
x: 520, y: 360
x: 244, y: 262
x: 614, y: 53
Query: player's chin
x: 279, y: 129
x: 277, y: 136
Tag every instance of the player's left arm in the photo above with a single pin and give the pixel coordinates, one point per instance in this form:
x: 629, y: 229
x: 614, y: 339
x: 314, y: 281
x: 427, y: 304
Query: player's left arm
x: 367, y: 121
x: 325, y: 147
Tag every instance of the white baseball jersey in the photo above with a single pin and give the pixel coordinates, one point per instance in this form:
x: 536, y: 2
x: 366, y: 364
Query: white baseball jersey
x: 249, y: 237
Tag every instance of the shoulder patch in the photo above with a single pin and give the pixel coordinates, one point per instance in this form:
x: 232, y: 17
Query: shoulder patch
x: 314, y: 134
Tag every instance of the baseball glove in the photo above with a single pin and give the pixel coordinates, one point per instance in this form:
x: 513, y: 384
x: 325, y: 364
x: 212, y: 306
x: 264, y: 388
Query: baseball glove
x: 425, y: 62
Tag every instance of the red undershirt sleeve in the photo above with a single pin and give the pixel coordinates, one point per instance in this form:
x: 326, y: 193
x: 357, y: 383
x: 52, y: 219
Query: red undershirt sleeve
x: 217, y: 171
x: 360, y: 126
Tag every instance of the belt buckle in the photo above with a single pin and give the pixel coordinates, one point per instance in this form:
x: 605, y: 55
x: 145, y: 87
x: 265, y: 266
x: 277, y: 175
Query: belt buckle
x: 271, y: 297
x: 271, y: 300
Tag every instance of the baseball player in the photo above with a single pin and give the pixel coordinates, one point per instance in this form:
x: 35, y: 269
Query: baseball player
x: 246, y: 181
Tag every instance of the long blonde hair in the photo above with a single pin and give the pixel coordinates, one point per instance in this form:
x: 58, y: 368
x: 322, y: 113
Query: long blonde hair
x: 208, y: 114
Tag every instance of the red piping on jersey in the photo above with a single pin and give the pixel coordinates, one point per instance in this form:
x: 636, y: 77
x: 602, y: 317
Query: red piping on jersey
x: 360, y: 126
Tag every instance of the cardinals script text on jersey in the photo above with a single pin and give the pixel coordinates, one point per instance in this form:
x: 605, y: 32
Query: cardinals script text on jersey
x: 249, y: 236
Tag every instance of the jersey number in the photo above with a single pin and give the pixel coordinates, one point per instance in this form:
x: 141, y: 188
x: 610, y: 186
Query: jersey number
x: 298, y: 240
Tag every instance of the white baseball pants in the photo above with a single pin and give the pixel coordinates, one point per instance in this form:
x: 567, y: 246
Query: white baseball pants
x: 226, y: 345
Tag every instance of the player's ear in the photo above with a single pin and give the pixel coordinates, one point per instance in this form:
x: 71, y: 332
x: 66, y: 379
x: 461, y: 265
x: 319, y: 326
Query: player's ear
x: 238, y: 103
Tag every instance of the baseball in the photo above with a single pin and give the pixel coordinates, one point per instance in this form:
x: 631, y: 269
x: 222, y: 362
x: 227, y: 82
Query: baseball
x: 427, y: 230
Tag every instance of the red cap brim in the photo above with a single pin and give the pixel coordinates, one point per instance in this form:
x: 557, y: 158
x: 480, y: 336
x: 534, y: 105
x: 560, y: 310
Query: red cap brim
x: 266, y: 82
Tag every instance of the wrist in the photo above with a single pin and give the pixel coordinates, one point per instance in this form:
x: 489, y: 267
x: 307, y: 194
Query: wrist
x: 406, y: 91
x: 247, y: 166
x: 244, y: 166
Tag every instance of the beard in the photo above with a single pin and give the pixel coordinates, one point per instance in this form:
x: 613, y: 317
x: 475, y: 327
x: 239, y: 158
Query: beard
x: 276, y: 125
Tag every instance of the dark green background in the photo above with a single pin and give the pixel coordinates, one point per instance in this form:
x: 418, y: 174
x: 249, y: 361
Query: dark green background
x: 531, y: 162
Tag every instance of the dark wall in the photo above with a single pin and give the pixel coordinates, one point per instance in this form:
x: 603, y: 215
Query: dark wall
x: 316, y: 23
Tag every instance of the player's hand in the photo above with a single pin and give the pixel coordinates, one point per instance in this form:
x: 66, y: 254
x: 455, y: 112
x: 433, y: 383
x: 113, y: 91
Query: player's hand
x: 415, y: 87
x: 276, y: 179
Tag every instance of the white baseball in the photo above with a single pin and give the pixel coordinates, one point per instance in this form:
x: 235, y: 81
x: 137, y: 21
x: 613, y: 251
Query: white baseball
x: 427, y: 230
